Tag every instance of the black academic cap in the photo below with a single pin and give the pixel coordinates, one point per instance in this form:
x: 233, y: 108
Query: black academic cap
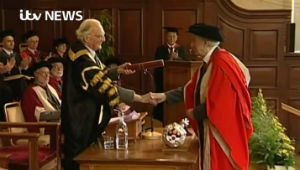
x: 5, y: 33
x: 56, y: 60
x: 36, y: 66
x: 171, y: 29
x: 29, y: 34
x: 207, y: 31
x: 60, y: 41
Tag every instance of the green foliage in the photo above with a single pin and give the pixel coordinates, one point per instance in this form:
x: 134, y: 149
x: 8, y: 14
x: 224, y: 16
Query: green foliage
x: 269, y: 145
x: 107, y: 47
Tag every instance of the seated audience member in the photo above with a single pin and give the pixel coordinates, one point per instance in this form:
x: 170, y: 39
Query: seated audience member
x: 31, y: 54
x: 60, y: 46
x: 171, y: 50
x: 40, y: 101
x: 9, y: 65
x: 56, y: 74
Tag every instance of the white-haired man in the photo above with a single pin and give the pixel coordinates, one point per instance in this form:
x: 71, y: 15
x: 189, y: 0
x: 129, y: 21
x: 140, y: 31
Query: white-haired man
x: 217, y: 101
x: 88, y: 92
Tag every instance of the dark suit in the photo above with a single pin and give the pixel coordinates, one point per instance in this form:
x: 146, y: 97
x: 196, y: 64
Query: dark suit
x: 18, y: 85
x: 163, y: 52
x: 4, y: 58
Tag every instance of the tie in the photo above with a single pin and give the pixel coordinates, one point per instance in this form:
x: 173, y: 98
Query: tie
x: 52, y: 99
x: 98, y: 62
x: 59, y: 85
x: 171, y: 49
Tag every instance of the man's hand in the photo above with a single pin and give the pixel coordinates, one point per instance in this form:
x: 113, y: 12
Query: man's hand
x: 11, y: 63
x: 173, y: 56
x: 146, y: 98
x: 158, y: 97
x: 25, y: 62
x: 2, y: 68
x: 123, y: 70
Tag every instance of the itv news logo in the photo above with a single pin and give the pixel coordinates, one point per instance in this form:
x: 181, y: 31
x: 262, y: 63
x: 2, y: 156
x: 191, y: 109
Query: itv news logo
x: 26, y: 15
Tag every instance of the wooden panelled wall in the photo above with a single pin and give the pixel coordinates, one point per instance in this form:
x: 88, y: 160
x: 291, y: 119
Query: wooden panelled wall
x: 259, y: 38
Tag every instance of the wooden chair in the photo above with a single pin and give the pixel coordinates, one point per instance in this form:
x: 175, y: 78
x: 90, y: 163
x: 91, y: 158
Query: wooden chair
x: 32, y: 156
x: 13, y: 113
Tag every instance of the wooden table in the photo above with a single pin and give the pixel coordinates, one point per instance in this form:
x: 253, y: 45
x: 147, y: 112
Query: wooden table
x: 141, y: 155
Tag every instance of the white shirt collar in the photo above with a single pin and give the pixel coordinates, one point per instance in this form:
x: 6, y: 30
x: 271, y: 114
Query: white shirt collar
x: 8, y: 52
x: 171, y: 46
x: 208, y: 55
x: 31, y: 50
x: 91, y: 50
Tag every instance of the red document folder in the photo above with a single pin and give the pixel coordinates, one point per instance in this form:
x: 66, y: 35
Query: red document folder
x: 146, y: 65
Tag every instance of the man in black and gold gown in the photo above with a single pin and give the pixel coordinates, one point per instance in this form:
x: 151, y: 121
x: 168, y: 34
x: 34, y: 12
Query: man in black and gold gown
x: 89, y: 92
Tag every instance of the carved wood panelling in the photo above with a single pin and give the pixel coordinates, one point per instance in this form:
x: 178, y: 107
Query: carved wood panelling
x: 294, y: 102
x: 130, y: 35
x: 294, y: 77
x: 234, y: 38
x: 46, y: 31
x: 263, y: 76
x: 10, y: 20
x: 263, y: 45
x: 181, y: 19
x: 68, y: 30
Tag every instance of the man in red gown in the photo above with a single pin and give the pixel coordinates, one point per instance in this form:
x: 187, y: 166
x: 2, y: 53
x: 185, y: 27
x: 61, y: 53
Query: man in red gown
x: 31, y: 55
x: 217, y: 102
x: 40, y: 101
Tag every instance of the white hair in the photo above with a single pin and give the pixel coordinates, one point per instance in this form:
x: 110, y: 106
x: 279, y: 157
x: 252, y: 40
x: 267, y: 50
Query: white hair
x: 85, y: 28
x: 211, y: 43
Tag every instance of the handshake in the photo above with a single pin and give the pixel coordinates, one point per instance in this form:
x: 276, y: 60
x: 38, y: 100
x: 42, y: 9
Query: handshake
x: 150, y: 98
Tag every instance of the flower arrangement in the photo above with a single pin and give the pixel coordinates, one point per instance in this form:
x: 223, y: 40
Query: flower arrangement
x: 269, y: 145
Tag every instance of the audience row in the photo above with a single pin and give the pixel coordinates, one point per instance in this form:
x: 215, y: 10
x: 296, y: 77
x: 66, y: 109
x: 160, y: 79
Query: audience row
x: 21, y: 74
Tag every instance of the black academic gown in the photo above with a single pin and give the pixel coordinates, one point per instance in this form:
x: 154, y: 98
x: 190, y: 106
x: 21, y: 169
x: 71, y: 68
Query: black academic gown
x: 82, y: 121
x: 162, y: 52
x: 17, y: 86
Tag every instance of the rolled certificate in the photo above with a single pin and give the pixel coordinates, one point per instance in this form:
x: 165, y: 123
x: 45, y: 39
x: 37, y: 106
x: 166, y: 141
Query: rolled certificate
x: 146, y: 65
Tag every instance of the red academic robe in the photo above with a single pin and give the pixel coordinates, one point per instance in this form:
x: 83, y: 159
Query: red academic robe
x: 35, y: 58
x: 34, y: 102
x: 228, y: 108
x: 57, y: 85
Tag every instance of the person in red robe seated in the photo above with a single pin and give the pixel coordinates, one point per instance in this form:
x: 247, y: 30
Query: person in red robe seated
x: 56, y: 74
x: 31, y: 54
x: 217, y: 102
x: 40, y: 101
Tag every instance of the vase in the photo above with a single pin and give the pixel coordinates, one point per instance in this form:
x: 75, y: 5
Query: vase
x: 281, y: 167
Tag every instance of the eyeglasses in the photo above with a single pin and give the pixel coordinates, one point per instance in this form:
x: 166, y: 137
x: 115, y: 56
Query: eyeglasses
x: 101, y: 37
